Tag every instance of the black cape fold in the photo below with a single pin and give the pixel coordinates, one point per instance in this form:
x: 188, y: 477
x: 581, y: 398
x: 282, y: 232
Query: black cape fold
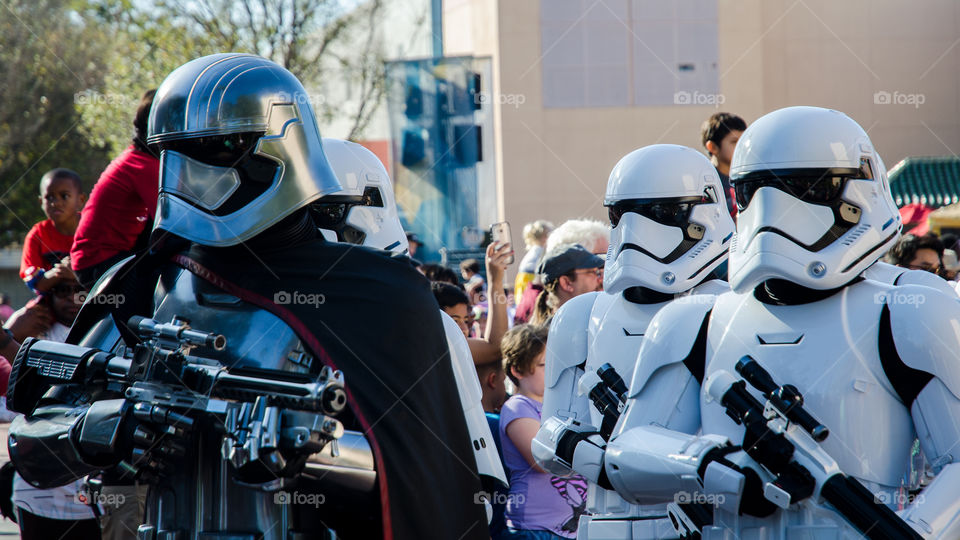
x: 380, y: 325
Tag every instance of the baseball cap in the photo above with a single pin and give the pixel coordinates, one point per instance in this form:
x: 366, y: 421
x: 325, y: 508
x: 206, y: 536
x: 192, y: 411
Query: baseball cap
x: 566, y: 258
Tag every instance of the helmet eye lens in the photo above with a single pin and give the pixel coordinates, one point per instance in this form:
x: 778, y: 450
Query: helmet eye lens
x: 333, y: 216
x: 222, y: 151
x: 812, y: 189
x: 670, y: 212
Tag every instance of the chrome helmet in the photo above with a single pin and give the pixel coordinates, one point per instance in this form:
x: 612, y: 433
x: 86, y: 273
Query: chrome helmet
x: 240, y: 149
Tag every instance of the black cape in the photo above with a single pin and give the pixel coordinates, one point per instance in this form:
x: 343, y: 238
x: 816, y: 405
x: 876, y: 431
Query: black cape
x: 380, y: 324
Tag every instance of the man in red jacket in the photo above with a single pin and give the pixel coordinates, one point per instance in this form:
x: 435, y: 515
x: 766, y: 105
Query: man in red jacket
x: 117, y: 219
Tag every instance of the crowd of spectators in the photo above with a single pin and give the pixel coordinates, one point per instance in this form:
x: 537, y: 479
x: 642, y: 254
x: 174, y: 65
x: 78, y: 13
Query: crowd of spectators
x: 562, y: 263
x: 62, y: 257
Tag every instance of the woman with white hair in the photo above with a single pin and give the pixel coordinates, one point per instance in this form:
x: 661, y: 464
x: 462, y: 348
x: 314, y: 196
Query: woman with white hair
x: 589, y: 233
x: 535, y: 238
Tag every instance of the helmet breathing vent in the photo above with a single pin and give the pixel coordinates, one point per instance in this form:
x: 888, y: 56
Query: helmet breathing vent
x: 703, y: 245
x: 854, y: 235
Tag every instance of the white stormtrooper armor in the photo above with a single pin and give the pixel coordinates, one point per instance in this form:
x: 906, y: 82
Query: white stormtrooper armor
x: 371, y: 219
x: 896, y: 275
x: 877, y: 364
x: 365, y: 210
x: 669, y: 232
x: 484, y: 448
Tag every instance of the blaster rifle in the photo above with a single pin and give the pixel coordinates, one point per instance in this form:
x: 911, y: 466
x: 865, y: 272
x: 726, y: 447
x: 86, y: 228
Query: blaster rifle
x: 784, y: 438
x: 608, y: 393
x: 161, y: 367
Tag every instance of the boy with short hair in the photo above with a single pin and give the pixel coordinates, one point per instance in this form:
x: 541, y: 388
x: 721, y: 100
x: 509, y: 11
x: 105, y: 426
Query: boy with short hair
x: 719, y: 135
x: 46, y: 249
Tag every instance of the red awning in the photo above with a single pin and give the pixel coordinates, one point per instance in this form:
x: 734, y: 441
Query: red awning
x: 915, y: 218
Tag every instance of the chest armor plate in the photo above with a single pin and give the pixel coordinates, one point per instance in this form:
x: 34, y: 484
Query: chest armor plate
x: 614, y: 335
x: 256, y: 338
x: 829, y: 351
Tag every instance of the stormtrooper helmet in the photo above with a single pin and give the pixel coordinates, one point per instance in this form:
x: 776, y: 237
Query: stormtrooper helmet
x: 815, y: 204
x: 240, y: 149
x: 670, y: 224
x: 365, y: 211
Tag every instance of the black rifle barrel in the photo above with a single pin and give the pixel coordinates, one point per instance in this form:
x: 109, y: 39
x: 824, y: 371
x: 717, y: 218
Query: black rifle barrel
x: 856, y: 503
x: 613, y: 380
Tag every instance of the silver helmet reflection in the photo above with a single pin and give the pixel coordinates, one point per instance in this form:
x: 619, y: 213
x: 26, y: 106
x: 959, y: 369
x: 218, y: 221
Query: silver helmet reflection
x: 240, y: 149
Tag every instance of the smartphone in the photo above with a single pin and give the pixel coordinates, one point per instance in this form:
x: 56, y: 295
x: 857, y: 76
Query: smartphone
x: 500, y: 234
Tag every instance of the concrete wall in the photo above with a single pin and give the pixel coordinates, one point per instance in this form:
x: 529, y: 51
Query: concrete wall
x: 554, y: 163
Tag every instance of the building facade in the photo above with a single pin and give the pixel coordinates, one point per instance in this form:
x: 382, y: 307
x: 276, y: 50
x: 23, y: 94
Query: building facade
x: 579, y: 83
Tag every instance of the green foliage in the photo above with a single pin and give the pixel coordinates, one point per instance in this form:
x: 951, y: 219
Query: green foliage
x: 327, y: 44
x: 72, y: 73
x: 46, y: 56
x: 144, y: 50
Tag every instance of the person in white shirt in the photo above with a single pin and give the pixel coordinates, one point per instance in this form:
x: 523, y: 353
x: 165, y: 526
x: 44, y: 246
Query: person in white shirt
x: 61, y: 512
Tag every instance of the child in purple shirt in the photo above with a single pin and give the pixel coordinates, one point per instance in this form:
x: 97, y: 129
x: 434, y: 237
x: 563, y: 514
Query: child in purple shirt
x: 540, y: 505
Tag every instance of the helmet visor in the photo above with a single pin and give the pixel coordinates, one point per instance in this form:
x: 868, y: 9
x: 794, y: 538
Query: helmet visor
x: 201, y: 184
x: 673, y: 212
x: 815, y: 186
